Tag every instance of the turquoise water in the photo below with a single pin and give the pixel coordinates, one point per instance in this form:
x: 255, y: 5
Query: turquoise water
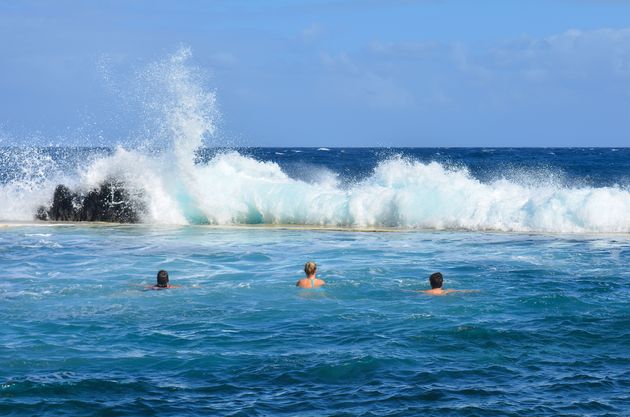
x: 542, y: 233
x: 547, y: 334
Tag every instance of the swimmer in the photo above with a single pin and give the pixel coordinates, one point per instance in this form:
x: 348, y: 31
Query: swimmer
x: 162, y: 281
x: 311, y: 280
x: 437, y: 280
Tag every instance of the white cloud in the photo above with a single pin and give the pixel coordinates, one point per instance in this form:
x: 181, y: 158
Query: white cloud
x: 403, y: 47
x: 357, y: 82
x: 561, y: 70
x: 310, y: 33
x: 574, y: 54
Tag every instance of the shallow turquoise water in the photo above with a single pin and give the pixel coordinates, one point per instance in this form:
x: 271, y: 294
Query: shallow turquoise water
x: 548, y: 333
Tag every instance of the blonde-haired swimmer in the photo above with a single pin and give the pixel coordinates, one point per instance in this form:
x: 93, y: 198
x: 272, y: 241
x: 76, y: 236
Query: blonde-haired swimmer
x: 311, y: 280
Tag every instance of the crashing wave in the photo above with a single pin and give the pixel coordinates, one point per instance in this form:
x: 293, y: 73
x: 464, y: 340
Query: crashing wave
x: 172, y: 187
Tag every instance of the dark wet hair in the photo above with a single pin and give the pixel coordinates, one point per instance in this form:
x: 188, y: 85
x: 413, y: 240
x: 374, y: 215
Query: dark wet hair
x: 436, y: 279
x: 162, y: 279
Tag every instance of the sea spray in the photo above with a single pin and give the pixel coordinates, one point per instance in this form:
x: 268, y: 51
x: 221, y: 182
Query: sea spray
x: 233, y: 189
x: 27, y: 180
x: 187, y: 113
x: 183, y: 116
x: 182, y: 109
x: 173, y: 186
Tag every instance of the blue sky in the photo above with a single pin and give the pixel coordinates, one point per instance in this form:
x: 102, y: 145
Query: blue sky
x: 326, y: 73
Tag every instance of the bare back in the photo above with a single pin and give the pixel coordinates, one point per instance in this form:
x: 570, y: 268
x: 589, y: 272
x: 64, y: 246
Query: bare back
x: 311, y: 282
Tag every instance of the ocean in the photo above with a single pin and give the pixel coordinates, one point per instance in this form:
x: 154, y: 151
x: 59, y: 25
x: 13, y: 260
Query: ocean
x: 542, y: 237
x: 542, y: 234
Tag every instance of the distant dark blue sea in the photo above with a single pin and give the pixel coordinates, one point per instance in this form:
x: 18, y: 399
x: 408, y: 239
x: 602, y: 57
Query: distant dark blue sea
x: 543, y: 235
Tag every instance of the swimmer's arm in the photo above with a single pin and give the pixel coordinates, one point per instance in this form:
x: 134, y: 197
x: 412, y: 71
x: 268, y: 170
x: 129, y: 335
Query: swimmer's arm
x: 155, y: 287
x: 420, y: 291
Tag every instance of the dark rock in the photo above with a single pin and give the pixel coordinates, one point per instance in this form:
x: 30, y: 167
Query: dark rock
x: 111, y: 202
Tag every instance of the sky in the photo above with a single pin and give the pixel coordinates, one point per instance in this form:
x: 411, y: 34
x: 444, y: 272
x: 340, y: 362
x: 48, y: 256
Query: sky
x: 325, y: 72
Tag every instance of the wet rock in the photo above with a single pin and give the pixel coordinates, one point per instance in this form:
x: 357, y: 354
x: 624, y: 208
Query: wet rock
x: 110, y: 202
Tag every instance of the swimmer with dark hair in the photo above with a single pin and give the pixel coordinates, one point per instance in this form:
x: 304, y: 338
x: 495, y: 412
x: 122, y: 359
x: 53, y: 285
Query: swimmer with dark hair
x: 162, y: 281
x: 437, y: 281
x: 311, y: 280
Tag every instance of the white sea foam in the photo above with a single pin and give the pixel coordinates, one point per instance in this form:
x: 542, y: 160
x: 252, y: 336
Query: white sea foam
x: 234, y: 189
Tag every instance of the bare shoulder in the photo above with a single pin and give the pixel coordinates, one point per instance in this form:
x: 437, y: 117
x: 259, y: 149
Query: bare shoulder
x: 156, y: 288
x: 434, y: 292
x: 445, y: 292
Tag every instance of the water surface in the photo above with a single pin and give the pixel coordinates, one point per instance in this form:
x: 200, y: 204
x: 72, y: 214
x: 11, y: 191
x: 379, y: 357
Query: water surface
x: 546, y: 335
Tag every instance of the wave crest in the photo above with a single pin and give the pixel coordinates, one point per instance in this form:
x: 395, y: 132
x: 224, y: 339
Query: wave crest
x: 172, y: 187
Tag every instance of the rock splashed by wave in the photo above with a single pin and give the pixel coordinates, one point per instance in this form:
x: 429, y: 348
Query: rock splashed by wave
x: 169, y: 184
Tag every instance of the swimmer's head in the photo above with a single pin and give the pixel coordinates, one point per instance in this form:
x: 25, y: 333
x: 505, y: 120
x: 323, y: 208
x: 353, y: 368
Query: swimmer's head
x: 310, y: 268
x: 436, y: 279
x: 162, y: 279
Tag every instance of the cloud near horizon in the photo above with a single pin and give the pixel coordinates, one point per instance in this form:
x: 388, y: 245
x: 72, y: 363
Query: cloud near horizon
x: 581, y: 58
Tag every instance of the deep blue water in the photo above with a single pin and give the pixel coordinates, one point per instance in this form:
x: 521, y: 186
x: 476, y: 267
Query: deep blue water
x: 547, y: 334
x: 596, y: 167
x: 543, y: 234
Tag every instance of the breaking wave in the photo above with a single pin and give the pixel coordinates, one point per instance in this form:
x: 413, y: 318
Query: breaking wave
x: 173, y: 187
x: 235, y: 189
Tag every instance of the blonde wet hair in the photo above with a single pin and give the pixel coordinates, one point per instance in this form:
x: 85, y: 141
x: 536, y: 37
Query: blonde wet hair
x: 310, y: 268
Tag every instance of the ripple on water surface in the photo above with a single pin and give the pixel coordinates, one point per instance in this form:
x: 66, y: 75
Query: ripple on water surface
x: 546, y: 335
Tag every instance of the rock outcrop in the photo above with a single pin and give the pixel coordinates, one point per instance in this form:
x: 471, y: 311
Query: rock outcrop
x: 111, y: 202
